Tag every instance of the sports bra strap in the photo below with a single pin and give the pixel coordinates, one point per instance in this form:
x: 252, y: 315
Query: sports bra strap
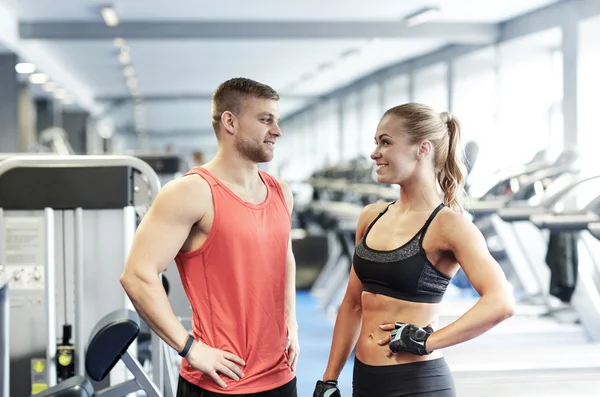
x: 430, y: 219
x: 376, y: 219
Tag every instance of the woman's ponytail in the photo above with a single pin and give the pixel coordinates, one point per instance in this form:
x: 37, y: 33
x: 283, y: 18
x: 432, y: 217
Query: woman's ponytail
x: 453, y: 173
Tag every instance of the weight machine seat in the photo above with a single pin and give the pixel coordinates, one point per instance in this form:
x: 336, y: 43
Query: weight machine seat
x: 76, y: 386
x: 111, y: 337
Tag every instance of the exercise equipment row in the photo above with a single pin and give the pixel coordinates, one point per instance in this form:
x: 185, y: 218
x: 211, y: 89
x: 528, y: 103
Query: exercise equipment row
x: 545, y: 185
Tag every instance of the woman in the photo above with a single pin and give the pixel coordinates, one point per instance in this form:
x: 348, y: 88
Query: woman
x: 407, y: 252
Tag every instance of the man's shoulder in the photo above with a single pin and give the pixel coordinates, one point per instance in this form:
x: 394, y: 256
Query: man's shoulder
x: 189, y: 183
x: 186, y: 192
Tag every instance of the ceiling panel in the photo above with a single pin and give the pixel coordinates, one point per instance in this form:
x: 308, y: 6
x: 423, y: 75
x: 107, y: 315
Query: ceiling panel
x: 461, y: 10
x: 301, y: 67
x: 199, y: 66
x: 94, y: 62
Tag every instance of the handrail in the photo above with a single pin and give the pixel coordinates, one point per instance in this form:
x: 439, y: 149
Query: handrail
x: 29, y: 161
x: 556, y: 197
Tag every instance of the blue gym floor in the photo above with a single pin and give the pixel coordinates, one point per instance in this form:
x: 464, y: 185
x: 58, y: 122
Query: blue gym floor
x: 315, y: 331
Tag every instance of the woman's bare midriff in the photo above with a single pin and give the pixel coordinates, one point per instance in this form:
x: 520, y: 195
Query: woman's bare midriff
x: 378, y: 310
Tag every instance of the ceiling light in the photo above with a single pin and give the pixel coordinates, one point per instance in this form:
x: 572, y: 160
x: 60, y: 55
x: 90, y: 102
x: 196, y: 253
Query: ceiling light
x: 110, y: 16
x: 25, y: 68
x: 124, y: 57
x: 50, y: 86
x: 60, y: 93
x: 421, y: 16
x: 129, y: 71
x: 38, y: 78
x: 132, y: 83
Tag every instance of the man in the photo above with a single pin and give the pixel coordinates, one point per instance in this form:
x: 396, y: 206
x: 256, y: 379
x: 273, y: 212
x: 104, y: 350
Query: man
x: 227, y: 224
x: 198, y: 158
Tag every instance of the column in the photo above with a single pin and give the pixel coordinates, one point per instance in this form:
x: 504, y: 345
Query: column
x: 570, y: 49
x: 9, y: 99
x: 75, y: 124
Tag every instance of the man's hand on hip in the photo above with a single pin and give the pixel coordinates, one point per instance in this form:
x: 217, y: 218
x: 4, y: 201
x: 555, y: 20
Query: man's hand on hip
x: 213, y: 361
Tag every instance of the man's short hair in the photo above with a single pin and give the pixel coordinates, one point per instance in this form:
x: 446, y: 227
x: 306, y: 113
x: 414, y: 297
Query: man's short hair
x: 230, y: 96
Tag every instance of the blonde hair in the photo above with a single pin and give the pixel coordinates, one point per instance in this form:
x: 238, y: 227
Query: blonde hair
x: 422, y: 123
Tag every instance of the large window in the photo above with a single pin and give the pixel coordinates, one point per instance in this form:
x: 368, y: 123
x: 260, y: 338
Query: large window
x: 350, y: 126
x: 474, y: 105
x: 474, y: 95
x: 370, y: 114
x: 527, y: 97
x: 396, y: 91
x: 328, y: 128
x: 589, y: 89
x: 431, y: 86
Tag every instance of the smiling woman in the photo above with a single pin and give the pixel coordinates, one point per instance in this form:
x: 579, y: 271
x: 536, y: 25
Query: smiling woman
x: 407, y: 251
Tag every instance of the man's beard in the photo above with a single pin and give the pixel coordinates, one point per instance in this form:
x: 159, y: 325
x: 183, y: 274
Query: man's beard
x: 255, y: 153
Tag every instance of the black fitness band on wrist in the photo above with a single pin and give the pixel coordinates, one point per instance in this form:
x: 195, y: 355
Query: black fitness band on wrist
x: 187, y: 347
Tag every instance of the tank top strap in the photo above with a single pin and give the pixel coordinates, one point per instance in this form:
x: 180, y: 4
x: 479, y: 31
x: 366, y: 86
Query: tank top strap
x: 203, y: 173
x: 273, y: 185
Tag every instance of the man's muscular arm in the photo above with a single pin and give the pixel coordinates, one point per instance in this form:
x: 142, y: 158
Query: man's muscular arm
x: 159, y: 237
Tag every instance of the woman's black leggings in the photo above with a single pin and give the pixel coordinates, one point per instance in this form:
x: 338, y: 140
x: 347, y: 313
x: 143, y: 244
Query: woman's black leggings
x: 424, y: 378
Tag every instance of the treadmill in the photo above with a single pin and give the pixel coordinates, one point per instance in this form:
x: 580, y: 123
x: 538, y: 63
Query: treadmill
x: 577, y: 209
x: 528, y: 191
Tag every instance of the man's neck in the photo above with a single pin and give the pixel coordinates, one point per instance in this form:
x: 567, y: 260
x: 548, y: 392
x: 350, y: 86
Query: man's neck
x: 234, y: 169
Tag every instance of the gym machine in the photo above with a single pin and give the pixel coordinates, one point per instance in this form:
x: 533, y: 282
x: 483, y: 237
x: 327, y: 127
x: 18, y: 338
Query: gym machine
x: 167, y: 166
x: 579, y: 207
x: 66, y: 225
x: 340, y: 219
x: 507, y: 241
x: 109, y: 344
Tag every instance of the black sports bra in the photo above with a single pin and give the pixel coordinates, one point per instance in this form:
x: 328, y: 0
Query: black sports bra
x: 403, y: 273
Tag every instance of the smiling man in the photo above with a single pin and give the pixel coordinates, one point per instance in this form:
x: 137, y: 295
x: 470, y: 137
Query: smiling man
x: 227, y: 225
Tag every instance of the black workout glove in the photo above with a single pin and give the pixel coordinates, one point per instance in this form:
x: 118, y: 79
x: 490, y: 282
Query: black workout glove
x: 410, y: 338
x: 326, y: 389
